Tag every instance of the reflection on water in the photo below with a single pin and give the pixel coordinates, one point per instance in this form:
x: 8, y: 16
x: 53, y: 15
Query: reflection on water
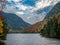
x: 2, y: 43
x: 30, y: 39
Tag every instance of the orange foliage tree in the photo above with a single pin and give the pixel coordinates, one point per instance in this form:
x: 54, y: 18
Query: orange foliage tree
x: 3, y: 27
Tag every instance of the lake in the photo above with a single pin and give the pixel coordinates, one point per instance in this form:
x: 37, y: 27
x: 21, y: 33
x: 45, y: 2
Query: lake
x: 29, y: 39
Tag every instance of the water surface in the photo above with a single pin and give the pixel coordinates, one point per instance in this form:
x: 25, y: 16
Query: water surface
x: 30, y: 39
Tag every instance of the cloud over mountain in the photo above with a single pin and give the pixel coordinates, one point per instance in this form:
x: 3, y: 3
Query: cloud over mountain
x: 27, y: 9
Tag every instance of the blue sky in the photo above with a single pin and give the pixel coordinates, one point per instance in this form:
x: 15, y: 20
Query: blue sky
x: 30, y: 11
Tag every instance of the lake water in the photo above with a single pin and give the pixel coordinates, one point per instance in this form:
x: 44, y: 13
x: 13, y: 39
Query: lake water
x: 30, y: 39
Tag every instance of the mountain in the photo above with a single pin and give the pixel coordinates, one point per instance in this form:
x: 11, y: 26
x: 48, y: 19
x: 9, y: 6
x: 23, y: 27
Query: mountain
x: 35, y: 28
x: 54, y: 11
x: 45, y: 9
x: 39, y: 26
x: 52, y: 28
x: 32, y: 28
x: 15, y: 22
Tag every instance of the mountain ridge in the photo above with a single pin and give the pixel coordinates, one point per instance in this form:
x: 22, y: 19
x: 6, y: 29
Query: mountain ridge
x: 14, y: 22
x: 39, y: 26
x: 54, y: 11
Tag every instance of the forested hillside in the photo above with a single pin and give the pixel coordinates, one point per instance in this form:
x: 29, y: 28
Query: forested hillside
x: 52, y: 28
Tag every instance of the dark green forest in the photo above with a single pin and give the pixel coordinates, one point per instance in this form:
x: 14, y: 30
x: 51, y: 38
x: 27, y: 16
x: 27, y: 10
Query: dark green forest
x: 52, y: 28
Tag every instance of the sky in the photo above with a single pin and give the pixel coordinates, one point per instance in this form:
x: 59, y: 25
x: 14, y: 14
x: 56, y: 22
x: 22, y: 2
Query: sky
x: 31, y: 11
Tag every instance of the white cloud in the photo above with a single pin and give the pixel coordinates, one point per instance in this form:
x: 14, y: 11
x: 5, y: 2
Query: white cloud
x: 44, y: 3
x: 19, y: 13
x: 21, y: 7
x: 9, y: 0
x: 41, y: 4
x: 14, y: 0
x: 34, y: 18
x: 9, y: 9
x: 27, y: 13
